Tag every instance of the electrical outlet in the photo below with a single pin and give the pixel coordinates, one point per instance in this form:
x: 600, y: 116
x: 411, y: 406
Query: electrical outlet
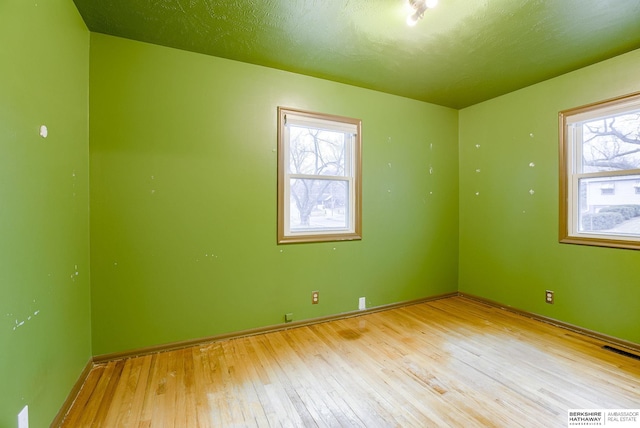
x: 288, y: 317
x: 315, y: 297
x: 549, y: 297
x: 362, y: 303
x: 23, y: 418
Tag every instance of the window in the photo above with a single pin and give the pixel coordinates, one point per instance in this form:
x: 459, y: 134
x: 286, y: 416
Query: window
x: 319, y: 178
x: 600, y: 173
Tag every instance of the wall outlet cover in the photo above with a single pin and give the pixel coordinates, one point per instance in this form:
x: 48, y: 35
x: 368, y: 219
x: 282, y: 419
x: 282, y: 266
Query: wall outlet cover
x: 23, y: 418
x: 549, y: 297
x: 362, y: 303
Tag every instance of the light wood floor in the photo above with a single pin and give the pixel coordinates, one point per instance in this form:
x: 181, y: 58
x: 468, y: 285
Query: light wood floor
x: 452, y: 362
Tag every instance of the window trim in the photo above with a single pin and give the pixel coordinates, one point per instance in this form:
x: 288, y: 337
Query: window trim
x: 568, y: 167
x: 356, y: 162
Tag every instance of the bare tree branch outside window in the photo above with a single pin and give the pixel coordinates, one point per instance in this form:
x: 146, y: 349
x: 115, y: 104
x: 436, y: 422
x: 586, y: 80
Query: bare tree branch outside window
x: 612, y: 143
x: 316, y: 152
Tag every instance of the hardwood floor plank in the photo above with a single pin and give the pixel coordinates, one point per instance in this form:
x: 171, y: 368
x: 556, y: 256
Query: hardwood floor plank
x: 84, y: 396
x: 200, y: 380
x: 154, y: 412
x: 451, y: 362
x: 143, y: 367
x: 88, y: 417
x: 146, y: 410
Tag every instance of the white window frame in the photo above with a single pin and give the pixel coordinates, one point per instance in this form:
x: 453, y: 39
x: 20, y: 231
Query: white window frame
x: 353, y: 176
x: 571, y: 172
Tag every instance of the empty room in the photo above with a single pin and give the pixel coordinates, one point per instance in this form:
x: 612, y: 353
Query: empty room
x: 394, y: 213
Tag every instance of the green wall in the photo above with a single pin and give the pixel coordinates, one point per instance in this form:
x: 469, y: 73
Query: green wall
x: 183, y: 212
x: 509, y: 250
x: 183, y: 198
x: 45, y: 339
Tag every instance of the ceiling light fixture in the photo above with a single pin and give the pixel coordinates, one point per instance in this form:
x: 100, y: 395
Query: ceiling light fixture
x: 417, y: 8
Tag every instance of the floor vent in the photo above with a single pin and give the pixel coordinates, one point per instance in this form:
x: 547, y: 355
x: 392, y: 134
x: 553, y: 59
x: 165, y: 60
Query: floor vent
x: 621, y: 352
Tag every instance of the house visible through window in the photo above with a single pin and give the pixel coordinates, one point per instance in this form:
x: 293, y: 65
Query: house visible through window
x: 608, y: 189
x: 600, y: 173
x: 319, y: 179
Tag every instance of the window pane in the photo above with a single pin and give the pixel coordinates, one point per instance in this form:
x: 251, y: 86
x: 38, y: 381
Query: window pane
x: 316, y: 152
x: 610, y: 205
x: 319, y: 205
x: 611, y: 143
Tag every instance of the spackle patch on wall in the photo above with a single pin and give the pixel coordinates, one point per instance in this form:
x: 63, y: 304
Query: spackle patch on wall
x: 531, y: 165
x: 21, y: 322
x: 431, y: 171
x: 210, y: 257
x: 478, y: 170
x: 73, y: 185
x: 75, y: 273
x: 153, y: 191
